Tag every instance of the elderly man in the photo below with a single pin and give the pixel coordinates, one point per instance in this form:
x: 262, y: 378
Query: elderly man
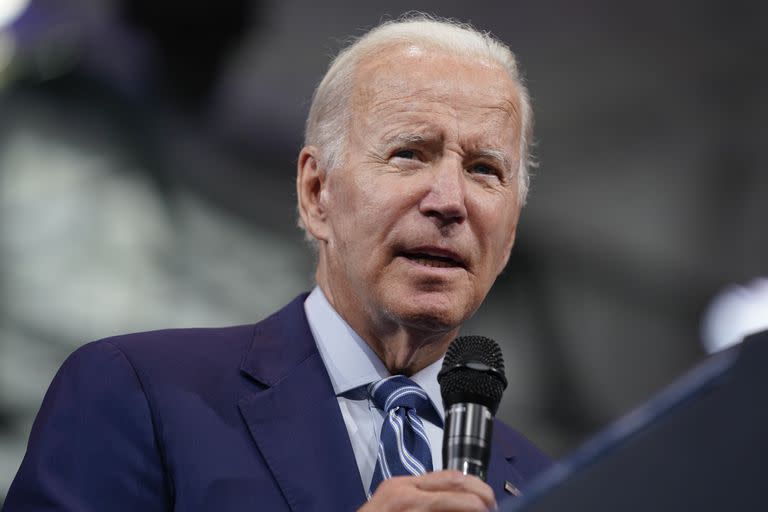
x: 410, y: 186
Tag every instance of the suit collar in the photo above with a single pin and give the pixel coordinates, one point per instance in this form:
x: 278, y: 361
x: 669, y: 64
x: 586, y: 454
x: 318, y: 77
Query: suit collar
x: 350, y: 361
x: 280, y: 343
x: 296, y: 421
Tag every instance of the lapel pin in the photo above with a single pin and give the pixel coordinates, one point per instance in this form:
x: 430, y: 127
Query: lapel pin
x: 511, y: 489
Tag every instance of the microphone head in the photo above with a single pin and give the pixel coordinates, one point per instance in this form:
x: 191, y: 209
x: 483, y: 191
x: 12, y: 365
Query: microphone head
x: 473, y: 372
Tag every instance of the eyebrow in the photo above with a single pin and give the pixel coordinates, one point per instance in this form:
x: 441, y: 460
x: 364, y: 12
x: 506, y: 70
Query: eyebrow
x: 420, y: 139
x: 409, y: 138
x: 494, y: 154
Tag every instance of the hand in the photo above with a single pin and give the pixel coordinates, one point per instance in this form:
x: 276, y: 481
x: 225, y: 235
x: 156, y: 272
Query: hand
x: 443, y: 491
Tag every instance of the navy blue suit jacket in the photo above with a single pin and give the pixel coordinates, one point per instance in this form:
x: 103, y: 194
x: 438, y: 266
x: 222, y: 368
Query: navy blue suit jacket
x: 238, y: 418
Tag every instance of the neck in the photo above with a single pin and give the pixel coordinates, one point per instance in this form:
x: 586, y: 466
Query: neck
x: 404, y: 349
x: 406, y: 352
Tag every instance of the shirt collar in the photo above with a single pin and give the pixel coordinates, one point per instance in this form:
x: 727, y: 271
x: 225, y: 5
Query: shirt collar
x: 349, y: 360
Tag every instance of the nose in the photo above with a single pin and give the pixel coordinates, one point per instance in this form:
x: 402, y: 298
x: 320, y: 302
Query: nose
x: 445, y: 200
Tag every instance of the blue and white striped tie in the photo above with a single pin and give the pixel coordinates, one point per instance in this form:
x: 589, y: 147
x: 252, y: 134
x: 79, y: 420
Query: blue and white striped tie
x: 403, y: 446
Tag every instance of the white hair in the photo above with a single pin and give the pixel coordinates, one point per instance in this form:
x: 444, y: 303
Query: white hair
x: 331, y: 110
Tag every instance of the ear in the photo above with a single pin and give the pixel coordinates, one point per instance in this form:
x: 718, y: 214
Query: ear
x: 310, y: 192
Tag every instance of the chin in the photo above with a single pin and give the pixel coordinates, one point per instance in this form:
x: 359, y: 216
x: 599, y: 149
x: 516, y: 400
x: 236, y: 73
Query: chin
x: 429, y: 315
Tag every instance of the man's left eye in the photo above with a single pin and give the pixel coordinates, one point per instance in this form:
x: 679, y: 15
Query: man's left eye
x: 483, y: 169
x: 405, y: 153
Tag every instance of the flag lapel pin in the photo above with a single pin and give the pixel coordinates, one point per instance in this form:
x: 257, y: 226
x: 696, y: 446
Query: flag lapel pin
x: 511, y: 489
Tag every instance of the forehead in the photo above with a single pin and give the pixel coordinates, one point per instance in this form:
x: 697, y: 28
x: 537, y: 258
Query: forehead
x: 429, y: 89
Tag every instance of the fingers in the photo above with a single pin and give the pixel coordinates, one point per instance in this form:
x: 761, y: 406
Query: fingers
x: 456, y: 502
x: 444, y: 491
x: 457, y: 483
x: 450, y: 479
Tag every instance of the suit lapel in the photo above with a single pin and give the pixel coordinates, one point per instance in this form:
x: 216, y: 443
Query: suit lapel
x: 296, y: 421
x: 502, y: 476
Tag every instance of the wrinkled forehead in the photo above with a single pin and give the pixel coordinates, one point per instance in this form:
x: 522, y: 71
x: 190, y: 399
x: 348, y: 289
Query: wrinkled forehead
x: 401, y: 81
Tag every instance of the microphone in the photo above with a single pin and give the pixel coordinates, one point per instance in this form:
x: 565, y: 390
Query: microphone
x: 471, y: 383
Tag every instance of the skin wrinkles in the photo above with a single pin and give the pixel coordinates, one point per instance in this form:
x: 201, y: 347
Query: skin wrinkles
x: 401, y: 113
x: 429, y: 167
x: 427, y: 146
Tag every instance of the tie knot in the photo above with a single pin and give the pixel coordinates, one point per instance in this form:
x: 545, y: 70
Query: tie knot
x: 399, y: 391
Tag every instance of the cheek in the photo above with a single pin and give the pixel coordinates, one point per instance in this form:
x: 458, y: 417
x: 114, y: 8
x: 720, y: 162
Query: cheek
x: 343, y: 205
x: 381, y: 201
x: 355, y: 214
x: 499, y: 232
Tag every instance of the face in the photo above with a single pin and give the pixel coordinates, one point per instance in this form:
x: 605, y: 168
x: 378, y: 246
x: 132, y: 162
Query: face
x: 420, y: 220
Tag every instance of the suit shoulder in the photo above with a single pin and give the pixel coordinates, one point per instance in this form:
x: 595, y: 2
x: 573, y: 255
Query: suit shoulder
x: 195, y: 356
x: 186, y: 354
x: 206, y: 341
x: 198, y: 339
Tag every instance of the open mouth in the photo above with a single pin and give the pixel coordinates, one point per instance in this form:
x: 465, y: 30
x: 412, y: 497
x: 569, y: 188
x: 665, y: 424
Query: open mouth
x: 433, y: 260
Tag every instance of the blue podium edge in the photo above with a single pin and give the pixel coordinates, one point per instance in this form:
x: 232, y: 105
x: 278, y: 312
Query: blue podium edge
x: 698, y: 381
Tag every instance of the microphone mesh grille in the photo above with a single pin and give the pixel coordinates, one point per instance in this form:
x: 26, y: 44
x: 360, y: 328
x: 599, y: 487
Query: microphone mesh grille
x: 466, y: 349
x: 471, y: 385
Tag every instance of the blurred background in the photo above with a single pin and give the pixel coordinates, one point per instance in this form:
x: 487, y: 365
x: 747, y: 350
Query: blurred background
x: 147, y: 162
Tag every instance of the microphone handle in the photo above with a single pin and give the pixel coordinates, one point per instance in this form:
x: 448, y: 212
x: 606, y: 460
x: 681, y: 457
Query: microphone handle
x: 467, y: 438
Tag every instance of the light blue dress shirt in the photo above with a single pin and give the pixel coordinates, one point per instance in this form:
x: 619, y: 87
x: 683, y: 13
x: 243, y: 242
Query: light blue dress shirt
x: 352, y: 365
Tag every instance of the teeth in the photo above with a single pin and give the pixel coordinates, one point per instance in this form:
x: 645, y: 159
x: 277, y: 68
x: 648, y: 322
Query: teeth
x: 434, y: 263
x: 430, y: 260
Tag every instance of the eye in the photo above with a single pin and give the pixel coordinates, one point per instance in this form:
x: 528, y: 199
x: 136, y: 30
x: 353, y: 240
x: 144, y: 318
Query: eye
x: 483, y: 169
x: 408, y: 154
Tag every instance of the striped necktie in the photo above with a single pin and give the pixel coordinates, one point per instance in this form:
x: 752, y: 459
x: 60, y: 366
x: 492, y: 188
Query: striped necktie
x: 403, y: 446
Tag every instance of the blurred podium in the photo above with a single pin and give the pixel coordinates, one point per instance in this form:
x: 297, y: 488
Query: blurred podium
x: 700, y: 445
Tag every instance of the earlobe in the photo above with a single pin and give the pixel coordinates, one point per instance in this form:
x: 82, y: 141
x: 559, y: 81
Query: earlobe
x: 310, y: 183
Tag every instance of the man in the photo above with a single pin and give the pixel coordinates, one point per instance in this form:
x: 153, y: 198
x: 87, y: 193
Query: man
x: 410, y: 184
